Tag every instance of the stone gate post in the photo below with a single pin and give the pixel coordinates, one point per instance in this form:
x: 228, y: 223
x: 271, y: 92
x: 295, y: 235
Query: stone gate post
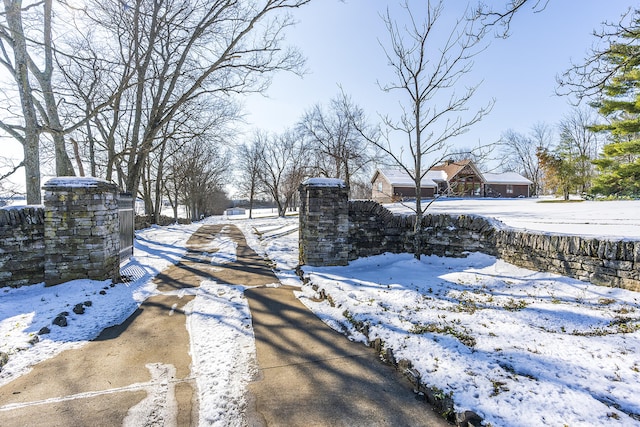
x: 81, y: 230
x: 324, y: 222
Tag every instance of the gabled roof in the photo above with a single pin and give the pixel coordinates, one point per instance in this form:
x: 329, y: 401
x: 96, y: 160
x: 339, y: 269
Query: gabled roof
x: 453, y: 168
x: 437, y: 176
x: 446, y: 172
x: 400, y: 178
x: 506, y: 178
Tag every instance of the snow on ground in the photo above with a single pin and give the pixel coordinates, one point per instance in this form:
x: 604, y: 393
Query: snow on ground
x: 222, y: 367
x: 24, y: 311
x: 615, y: 218
x: 516, y: 346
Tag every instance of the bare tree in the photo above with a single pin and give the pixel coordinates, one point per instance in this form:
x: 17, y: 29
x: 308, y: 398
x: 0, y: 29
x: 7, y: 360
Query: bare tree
x: 198, y: 120
x: 592, y: 77
x: 580, y: 144
x: 519, y: 153
x: 282, y: 167
x: 199, y: 171
x: 49, y: 110
x: 426, y: 72
x: 334, y: 135
x: 180, y: 51
x: 33, y: 44
x: 501, y: 17
x: 249, y: 161
x: 27, y: 129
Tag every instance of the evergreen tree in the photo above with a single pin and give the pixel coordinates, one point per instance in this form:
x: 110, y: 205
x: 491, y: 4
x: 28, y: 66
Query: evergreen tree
x: 619, y: 164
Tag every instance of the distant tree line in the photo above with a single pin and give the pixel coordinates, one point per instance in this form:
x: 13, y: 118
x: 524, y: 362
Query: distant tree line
x: 328, y: 141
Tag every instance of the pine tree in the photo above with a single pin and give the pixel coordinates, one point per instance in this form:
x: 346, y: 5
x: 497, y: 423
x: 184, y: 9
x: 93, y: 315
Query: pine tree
x: 619, y: 164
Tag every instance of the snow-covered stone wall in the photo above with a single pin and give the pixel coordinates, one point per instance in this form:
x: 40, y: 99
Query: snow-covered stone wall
x: 81, y: 230
x: 324, y: 222
x: 75, y: 235
x: 21, y: 245
x: 374, y: 230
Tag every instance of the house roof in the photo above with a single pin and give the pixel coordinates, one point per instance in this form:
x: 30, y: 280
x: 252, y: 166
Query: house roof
x: 452, y: 168
x: 400, y: 178
x: 446, y: 172
x: 507, y: 178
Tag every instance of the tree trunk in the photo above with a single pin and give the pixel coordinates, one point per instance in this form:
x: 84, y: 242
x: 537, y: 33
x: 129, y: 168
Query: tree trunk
x: 64, y: 167
x: 251, y: 196
x: 31, y: 143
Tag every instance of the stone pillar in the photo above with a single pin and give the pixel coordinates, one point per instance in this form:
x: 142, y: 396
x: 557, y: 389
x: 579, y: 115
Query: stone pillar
x: 324, y: 222
x: 81, y: 230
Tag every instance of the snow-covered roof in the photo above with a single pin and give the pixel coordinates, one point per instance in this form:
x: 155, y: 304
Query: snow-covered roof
x: 506, y: 178
x: 400, y: 178
x: 437, y: 176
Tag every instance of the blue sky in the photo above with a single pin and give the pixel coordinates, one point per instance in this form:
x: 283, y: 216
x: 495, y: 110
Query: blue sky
x: 341, y: 41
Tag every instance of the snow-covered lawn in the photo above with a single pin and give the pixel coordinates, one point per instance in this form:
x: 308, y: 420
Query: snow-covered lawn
x: 516, y: 346
x: 616, y: 218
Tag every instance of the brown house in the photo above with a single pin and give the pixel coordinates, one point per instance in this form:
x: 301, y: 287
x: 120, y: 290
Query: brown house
x: 508, y: 184
x: 451, y: 178
x: 461, y: 179
x: 393, y: 185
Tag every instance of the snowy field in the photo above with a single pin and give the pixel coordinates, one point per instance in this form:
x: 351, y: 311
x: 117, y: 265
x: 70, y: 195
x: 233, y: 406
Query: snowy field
x: 516, y: 346
x: 619, y: 218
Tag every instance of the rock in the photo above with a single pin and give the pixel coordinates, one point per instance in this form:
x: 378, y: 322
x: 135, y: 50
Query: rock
x: 389, y: 357
x: 404, y: 364
x: 413, y: 376
x: 4, y: 358
x: 468, y: 419
x: 103, y: 292
x: 78, y: 309
x: 44, y: 331
x: 34, y: 339
x: 88, y: 303
x: 60, y: 321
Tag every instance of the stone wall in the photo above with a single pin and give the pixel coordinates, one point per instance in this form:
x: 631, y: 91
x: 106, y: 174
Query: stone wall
x: 81, y: 230
x: 21, y: 245
x: 606, y: 262
x: 75, y: 235
x: 373, y: 230
x: 324, y: 222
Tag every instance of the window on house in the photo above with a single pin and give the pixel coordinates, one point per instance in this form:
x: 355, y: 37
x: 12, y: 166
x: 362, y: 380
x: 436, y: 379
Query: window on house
x: 509, y: 189
x: 380, y: 187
